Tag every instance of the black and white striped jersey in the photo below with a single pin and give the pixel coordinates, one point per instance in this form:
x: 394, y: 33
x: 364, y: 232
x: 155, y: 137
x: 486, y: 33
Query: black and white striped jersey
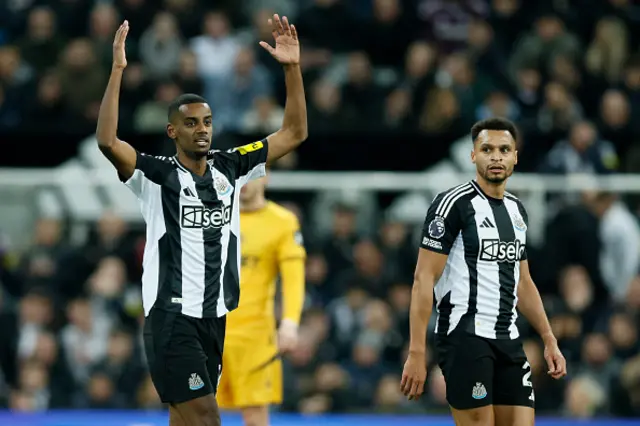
x: 485, y: 240
x: 192, y: 255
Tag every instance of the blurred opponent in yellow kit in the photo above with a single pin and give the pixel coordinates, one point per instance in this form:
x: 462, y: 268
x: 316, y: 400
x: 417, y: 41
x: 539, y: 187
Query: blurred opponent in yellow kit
x: 272, y: 247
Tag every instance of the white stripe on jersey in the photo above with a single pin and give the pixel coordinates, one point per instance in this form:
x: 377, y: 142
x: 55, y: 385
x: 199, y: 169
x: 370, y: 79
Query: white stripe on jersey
x: 449, y: 200
x: 192, y: 244
x: 455, y: 271
x: 152, y: 212
x: 488, y: 295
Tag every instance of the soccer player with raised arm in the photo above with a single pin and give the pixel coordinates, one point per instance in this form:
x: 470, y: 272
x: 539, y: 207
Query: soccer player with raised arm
x: 473, y: 257
x: 271, y: 246
x: 190, y: 203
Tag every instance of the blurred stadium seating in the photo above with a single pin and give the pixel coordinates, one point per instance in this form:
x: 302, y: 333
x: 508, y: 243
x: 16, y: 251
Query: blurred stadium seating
x: 397, y: 95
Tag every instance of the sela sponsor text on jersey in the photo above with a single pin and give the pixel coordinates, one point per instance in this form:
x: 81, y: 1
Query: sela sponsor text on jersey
x: 197, y: 217
x: 494, y: 250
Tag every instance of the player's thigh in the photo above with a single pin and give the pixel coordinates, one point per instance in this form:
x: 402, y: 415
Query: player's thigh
x: 513, y: 415
x: 257, y: 377
x: 201, y: 411
x: 256, y: 416
x: 467, y: 364
x: 512, y: 382
x: 212, y: 335
x: 228, y: 385
x: 177, y: 359
x: 175, y: 418
x: 482, y: 416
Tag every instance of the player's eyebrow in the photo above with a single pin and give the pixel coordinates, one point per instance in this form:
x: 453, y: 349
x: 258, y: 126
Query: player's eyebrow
x: 197, y: 118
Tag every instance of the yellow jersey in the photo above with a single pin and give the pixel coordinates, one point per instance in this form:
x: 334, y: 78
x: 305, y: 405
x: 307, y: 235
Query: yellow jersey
x: 271, y: 246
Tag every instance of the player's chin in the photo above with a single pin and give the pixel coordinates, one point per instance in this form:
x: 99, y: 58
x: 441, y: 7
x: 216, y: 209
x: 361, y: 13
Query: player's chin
x: 496, y: 177
x: 201, y: 150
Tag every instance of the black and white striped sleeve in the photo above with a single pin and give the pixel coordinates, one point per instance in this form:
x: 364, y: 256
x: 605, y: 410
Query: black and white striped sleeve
x: 443, y: 222
x: 149, y: 170
x: 247, y: 162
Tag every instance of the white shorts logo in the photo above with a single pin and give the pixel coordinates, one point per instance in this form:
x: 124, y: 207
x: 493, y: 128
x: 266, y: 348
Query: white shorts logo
x: 479, y: 391
x: 195, y: 382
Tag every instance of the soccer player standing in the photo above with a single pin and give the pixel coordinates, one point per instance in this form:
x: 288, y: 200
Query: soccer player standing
x: 271, y: 246
x: 473, y: 257
x: 190, y: 203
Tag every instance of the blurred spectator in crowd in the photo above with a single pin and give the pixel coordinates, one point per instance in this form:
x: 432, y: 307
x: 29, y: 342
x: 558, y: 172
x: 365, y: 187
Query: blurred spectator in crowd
x: 237, y: 89
x: 413, y: 73
x: 620, y: 239
x: 161, y: 46
x: 583, y: 152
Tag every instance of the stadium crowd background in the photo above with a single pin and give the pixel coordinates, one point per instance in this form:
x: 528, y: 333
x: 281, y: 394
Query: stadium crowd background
x: 568, y: 72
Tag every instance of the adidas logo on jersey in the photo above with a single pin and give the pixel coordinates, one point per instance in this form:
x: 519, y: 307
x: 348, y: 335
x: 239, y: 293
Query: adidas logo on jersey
x: 195, y: 382
x: 486, y: 223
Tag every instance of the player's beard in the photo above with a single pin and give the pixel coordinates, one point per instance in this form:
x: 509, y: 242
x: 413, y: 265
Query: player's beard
x: 496, y: 178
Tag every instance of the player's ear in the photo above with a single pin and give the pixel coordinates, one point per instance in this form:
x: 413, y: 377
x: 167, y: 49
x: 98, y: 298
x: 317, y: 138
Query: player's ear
x: 171, y: 131
x: 473, y: 155
x: 516, y: 154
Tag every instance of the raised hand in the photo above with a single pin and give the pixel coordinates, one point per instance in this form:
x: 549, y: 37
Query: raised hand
x: 287, y: 50
x: 119, y: 55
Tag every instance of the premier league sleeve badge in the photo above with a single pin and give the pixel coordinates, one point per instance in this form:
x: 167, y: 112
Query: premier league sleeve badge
x: 437, y: 228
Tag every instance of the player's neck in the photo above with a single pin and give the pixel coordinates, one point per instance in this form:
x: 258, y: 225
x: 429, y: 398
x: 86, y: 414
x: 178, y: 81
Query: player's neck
x: 493, y: 190
x: 196, y: 165
x: 253, y: 205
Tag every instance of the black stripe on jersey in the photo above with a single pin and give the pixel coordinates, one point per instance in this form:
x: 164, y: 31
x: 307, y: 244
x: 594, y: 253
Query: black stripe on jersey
x: 471, y: 242
x: 444, y: 311
x: 212, y: 245
x: 506, y: 272
x: 231, y: 275
x: 171, y: 259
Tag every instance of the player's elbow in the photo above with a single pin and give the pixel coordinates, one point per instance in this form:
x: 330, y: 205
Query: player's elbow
x: 106, y: 142
x: 423, y: 282
x: 296, y: 133
x: 525, y: 285
x: 303, y: 133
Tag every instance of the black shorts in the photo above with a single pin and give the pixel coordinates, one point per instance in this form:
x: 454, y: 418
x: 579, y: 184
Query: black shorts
x: 184, y: 354
x: 480, y: 372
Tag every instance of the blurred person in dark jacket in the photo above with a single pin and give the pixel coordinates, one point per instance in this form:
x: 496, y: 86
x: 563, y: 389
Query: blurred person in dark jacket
x: 583, y: 152
x: 42, y: 42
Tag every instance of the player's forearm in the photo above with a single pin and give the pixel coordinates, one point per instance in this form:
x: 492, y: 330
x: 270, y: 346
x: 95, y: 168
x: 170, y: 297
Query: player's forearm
x: 292, y: 272
x: 107, y: 128
x: 420, y: 313
x: 295, y: 110
x: 530, y: 304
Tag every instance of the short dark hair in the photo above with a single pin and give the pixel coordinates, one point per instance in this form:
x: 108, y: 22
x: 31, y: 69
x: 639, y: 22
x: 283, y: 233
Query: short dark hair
x: 185, y: 99
x: 496, y: 123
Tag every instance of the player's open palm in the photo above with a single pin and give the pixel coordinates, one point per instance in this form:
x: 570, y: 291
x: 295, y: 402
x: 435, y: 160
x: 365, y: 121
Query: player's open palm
x: 287, y: 50
x: 414, y: 376
x: 119, y: 55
